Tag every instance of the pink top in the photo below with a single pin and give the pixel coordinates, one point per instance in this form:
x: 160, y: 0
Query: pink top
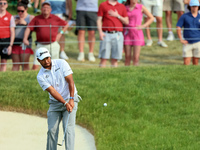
x: 133, y: 36
x: 135, y: 16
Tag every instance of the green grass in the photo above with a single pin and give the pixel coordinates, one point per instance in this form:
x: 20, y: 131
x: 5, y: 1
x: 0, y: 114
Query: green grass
x: 154, y: 106
x: 149, y: 107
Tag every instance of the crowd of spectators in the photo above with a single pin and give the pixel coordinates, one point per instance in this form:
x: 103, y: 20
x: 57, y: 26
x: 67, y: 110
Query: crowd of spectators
x: 119, y: 24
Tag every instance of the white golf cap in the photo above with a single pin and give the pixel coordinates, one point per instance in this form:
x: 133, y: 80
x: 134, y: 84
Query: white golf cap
x: 194, y: 3
x: 42, y: 53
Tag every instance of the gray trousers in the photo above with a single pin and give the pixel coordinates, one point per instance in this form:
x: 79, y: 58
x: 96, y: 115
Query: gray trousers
x: 57, y: 111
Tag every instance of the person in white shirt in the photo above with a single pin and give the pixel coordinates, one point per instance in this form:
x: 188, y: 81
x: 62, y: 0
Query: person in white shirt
x: 170, y: 6
x: 155, y: 7
x: 56, y: 78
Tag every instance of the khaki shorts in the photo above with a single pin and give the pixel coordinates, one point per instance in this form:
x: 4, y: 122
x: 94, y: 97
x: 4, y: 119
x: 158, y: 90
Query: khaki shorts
x: 153, y: 7
x: 54, y: 49
x: 191, y: 50
x: 173, y: 5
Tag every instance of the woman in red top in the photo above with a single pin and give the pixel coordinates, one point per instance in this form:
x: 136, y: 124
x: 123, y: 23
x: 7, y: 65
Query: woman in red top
x: 7, y: 34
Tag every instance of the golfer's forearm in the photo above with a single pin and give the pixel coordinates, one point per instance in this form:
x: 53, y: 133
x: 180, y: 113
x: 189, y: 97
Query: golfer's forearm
x: 70, y: 82
x: 58, y: 97
x: 55, y: 94
x: 71, y: 90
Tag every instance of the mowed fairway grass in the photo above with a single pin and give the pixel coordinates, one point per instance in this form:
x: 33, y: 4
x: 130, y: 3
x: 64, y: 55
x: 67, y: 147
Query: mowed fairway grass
x: 149, y: 108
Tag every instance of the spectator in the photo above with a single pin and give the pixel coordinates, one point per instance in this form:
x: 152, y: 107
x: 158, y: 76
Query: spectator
x: 111, y: 17
x: 46, y: 27
x: 36, y: 3
x: 186, y: 2
x: 7, y: 34
x: 86, y: 11
x: 18, y: 53
x: 170, y: 6
x: 133, y: 34
x: 156, y: 8
x: 191, y: 32
x: 61, y: 8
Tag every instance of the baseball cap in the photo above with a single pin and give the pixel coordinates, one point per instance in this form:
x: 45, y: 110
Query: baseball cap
x: 46, y: 2
x: 194, y: 3
x: 42, y: 53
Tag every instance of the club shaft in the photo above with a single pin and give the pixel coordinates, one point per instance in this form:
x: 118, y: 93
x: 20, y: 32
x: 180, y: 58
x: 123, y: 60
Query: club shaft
x: 65, y: 130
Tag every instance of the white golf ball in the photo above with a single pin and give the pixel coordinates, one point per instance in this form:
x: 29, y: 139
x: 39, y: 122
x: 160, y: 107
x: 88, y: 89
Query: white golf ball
x: 105, y: 104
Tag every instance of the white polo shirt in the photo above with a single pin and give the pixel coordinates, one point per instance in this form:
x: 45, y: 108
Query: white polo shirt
x: 56, y: 78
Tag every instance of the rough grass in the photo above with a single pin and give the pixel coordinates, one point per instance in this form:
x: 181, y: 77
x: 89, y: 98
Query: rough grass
x: 149, y: 107
x: 154, y: 106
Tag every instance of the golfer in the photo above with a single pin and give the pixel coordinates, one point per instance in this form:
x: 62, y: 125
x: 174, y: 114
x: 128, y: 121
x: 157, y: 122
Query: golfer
x: 55, y: 76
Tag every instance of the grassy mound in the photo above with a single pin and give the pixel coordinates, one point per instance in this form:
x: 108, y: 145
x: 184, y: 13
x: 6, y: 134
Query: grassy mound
x: 148, y: 107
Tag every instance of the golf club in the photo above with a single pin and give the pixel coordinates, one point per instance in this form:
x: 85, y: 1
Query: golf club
x: 65, y: 131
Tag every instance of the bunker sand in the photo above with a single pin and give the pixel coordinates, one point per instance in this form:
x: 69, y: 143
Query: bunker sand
x: 21, y: 132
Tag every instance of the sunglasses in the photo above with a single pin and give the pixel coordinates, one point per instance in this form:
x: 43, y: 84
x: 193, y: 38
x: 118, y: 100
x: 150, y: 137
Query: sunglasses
x: 3, y: 3
x: 20, y: 11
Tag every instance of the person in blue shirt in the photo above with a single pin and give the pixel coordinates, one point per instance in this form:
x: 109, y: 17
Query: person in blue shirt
x: 62, y: 9
x: 191, y: 41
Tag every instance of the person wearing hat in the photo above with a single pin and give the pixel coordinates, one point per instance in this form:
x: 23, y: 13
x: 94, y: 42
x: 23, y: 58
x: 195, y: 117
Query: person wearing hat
x: 55, y: 77
x: 191, y: 41
x: 46, y: 27
x: 62, y: 9
x: 186, y: 2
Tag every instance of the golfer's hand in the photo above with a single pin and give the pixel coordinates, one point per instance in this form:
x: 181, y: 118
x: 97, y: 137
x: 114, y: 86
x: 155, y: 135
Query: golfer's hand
x: 71, y: 103
x: 68, y: 107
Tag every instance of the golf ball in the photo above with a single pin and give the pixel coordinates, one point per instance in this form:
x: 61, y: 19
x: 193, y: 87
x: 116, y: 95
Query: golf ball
x: 105, y: 104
